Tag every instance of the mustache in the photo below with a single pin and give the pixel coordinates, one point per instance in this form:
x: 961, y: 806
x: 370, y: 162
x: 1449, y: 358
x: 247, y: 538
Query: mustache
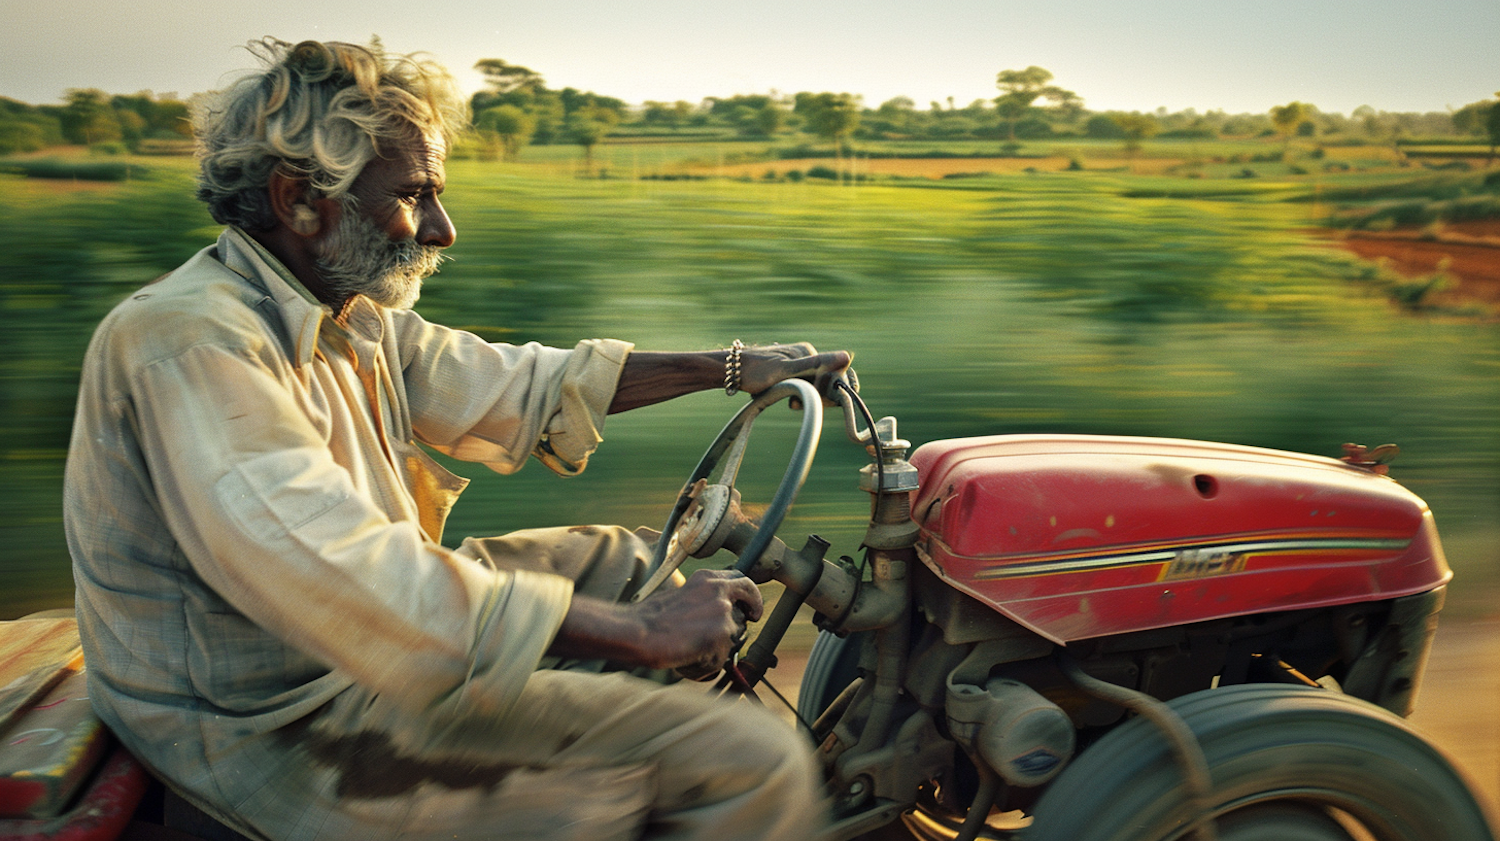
x: 410, y: 256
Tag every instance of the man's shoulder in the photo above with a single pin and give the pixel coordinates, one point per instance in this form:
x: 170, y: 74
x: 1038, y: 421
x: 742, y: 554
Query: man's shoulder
x: 201, y: 302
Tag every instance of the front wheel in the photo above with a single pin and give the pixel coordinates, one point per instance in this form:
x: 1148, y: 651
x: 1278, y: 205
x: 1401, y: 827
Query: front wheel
x: 1287, y: 762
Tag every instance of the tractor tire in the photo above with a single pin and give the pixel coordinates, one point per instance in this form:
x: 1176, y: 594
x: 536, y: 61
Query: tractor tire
x: 1288, y: 763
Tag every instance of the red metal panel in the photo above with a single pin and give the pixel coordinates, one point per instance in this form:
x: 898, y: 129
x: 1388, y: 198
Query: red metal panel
x: 1083, y: 536
x: 101, y: 813
x: 49, y: 750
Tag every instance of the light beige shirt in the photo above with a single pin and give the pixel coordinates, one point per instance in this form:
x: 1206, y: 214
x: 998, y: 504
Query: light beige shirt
x: 254, y: 531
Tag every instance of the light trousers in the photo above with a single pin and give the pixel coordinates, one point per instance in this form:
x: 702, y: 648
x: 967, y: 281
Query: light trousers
x: 584, y: 755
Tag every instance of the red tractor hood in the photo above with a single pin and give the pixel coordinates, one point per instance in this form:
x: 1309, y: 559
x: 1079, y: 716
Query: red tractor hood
x: 1083, y: 536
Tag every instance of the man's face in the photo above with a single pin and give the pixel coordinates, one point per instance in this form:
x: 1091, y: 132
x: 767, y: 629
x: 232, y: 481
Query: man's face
x: 392, y: 229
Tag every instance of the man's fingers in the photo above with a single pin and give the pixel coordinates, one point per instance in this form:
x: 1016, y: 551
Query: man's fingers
x: 741, y: 627
x: 834, y: 360
x: 746, y: 597
x: 739, y: 591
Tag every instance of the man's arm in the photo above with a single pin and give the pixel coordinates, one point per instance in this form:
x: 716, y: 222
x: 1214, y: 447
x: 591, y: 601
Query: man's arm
x: 652, y: 377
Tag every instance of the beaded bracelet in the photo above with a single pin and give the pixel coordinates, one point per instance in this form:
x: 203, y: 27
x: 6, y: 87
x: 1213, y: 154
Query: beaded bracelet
x: 732, y: 368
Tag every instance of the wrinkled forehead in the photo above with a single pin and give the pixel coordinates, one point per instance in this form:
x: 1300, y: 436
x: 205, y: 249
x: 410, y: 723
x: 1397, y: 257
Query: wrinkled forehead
x: 414, y: 142
x: 418, y: 159
x: 428, y: 153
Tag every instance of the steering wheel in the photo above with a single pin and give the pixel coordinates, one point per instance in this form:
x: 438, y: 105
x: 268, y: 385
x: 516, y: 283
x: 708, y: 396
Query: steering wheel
x: 700, y: 512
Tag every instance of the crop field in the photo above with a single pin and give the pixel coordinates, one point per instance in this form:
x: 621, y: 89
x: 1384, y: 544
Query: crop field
x: 1116, y: 299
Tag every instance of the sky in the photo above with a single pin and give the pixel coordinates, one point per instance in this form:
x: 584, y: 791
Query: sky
x: 1239, y: 56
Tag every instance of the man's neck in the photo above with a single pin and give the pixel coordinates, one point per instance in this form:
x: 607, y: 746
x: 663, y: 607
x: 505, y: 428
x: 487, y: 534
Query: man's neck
x: 296, y: 255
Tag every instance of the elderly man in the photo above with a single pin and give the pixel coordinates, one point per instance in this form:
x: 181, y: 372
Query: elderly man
x: 269, y: 618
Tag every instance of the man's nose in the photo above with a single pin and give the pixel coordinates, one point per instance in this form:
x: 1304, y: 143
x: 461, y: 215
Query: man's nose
x: 436, y: 228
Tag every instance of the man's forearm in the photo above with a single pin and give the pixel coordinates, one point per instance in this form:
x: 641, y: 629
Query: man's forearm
x: 596, y: 629
x: 652, y: 377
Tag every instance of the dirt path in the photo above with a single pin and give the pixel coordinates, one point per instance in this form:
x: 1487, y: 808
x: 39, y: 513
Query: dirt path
x: 1459, y: 705
x: 1469, y: 252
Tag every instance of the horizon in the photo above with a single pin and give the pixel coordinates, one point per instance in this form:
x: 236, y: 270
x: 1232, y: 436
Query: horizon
x: 1156, y: 54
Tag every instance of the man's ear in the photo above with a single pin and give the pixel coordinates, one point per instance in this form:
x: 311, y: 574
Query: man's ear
x: 295, y: 207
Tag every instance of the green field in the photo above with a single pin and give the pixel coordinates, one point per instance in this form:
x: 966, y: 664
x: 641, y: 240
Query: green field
x: 1093, y: 301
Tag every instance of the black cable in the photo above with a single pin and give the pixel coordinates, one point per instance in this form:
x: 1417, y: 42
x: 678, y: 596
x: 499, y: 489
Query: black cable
x: 874, y: 436
x: 787, y: 704
x: 875, y: 442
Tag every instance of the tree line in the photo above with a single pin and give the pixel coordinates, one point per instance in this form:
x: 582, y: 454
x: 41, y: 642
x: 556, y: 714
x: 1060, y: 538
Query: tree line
x: 516, y: 108
x: 91, y: 117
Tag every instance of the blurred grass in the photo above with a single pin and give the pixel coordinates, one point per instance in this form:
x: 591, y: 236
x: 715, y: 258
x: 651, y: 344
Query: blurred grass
x: 75, y: 169
x: 1086, y: 302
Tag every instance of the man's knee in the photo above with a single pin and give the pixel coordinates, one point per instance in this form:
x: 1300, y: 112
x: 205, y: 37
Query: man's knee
x: 774, y: 787
x: 759, y: 748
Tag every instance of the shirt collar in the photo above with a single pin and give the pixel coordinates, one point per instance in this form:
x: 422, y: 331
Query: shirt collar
x: 302, y: 315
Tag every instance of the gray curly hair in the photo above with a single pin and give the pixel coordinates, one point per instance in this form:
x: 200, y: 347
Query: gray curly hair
x: 318, y: 111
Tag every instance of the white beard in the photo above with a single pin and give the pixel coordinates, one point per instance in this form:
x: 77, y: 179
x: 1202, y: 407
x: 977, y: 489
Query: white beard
x: 358, y: 258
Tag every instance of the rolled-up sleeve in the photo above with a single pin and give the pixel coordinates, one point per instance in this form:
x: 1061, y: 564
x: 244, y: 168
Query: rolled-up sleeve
x: 497, y: 404
x: 275, y: 526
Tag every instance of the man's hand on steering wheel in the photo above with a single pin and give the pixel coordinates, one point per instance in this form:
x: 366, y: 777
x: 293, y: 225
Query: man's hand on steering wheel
x: 694, y: 628
x: 763, y: 366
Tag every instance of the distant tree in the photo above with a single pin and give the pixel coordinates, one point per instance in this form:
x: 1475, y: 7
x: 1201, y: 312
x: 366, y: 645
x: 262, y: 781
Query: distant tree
x: 586, y: 127
x: 509, y: 125
x: 751, y: 115
x: 20, y: 136
x: 1470, y: 118
x: 833, y: 116
x: 27, y: 128
x: 170, y: 116
x: 670, y: 115
x: 1386, y: 125
x: 769, y: 119
x: 503, y: 77
x: 87, y: 117
x: 1136, y: 127
x: 1286, y: 118
x: 724, y: 106
x: 898, y: 105
x: 1492, y: 128
x: 744, y: 119
x: 145, y: 115
x: 1032, y: 128
x: 546, y: 108
x: 575, y: 101
x: 655, y: 113
x: 133, y: 127
x: 1368, y: 120
x: 949, y: 124
x: 509, y: 84
x: 894, y: 117
x: 1103, y: 127
x: 1246, y: 125
x: 1020, y: 90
